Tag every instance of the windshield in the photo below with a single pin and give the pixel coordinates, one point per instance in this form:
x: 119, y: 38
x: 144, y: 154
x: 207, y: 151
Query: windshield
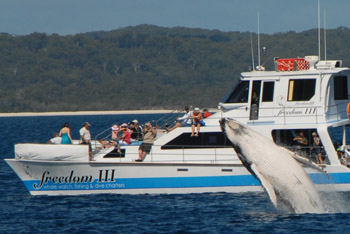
x: 239, y: 94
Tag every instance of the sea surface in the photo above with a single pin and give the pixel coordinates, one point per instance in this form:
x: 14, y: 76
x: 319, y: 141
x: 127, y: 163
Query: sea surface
x: 186, y: 213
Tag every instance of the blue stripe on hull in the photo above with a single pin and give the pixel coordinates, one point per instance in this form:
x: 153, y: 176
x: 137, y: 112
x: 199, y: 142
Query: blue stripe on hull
x: 149, y: 183
x: 335, y: 178
x: 175, y: 182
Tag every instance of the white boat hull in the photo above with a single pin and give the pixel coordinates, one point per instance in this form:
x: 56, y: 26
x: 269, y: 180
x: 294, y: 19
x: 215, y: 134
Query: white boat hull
x: 75, y: 178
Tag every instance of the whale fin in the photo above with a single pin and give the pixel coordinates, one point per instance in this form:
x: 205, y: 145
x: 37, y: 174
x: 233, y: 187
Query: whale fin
x: 266, y: 184
x: 306, y: 162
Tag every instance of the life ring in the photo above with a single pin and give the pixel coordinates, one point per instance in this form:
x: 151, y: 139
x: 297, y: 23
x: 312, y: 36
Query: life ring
x: 348, y: 110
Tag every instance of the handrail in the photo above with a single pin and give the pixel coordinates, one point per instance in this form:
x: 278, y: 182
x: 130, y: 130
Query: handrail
x: 213, y: 154
x: 166, y: 117
x: 97, y: 137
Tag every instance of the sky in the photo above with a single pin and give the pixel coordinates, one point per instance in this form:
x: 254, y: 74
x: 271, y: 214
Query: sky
x: 22, y: 17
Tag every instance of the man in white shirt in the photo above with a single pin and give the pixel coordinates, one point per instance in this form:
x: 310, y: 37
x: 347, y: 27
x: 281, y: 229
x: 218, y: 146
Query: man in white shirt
x: 184, y: 121
x: 56, y: 139
x: 85, y: 137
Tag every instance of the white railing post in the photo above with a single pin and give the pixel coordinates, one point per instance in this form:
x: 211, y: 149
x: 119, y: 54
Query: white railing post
x: 183, y: 153
x: 316, y: 115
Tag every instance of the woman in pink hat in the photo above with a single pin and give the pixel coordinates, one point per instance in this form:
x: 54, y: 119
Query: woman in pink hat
x: 125, y: 139
x: 115, y: 130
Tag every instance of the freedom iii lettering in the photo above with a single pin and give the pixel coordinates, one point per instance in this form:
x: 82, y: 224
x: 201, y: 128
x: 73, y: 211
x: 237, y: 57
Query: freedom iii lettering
x: 46, y: 178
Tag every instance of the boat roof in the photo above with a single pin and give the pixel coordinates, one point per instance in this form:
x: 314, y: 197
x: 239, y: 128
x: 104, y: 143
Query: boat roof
x: 277, y: 74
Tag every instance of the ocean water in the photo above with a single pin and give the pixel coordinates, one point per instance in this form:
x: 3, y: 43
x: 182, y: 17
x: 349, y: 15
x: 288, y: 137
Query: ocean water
x: 183, y: 213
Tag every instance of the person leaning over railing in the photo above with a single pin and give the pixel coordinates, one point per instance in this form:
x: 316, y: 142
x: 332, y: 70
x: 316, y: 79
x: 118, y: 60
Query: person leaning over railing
x: 149, y: 133
x: 184, y: 121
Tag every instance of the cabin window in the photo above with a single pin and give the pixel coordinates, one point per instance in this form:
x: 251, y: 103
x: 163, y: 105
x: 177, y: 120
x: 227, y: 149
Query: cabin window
x: 340, y: 87
x: 204, y: 140
x: 239, y: 93
x: 301, y: 90
x: 287, y: 138
x: 268, y: 89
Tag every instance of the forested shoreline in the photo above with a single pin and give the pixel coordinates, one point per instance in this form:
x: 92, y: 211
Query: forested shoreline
x: 140, y: 67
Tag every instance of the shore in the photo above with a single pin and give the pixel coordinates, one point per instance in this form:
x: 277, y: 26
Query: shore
x: 64, y: 113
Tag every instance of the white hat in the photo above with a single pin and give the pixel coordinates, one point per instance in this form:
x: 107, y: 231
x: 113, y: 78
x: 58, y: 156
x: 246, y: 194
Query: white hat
x: 135, y: 121
x: 115, y: 128
x: 196, y: 109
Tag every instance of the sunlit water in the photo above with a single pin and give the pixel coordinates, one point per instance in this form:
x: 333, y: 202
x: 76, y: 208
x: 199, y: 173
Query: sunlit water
x: 188, y: 213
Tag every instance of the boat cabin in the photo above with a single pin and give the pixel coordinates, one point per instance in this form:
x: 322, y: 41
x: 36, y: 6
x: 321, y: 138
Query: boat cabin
x: 319, y: 94
x: 302, y: 94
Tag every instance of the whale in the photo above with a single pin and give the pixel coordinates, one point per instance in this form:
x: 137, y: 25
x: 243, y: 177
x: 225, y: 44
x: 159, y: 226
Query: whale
x: 281, y: 175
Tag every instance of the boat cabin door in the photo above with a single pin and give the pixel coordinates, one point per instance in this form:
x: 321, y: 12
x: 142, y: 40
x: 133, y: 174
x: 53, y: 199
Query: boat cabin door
x: 255, y: 100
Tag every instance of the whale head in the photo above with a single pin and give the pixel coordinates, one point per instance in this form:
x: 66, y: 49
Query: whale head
x: 235, y: 131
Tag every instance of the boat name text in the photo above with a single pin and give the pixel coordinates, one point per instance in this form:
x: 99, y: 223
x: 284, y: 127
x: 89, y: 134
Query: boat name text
x: 307, y: 111
x: 46, y: 178
x: 103, y: 176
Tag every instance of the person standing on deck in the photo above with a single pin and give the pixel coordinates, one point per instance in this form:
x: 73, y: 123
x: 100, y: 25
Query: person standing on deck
x: 138, y: 133
x: 85, y: 137
x: 149, y: 133
x: 65, y: 134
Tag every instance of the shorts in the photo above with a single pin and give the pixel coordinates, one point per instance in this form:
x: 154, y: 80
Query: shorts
x: 185, y: 124
x: 201, y: 122
x: 146, y: 147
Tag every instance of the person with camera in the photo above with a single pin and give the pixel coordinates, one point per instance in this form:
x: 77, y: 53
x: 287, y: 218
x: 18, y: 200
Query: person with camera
x: 149, y: 133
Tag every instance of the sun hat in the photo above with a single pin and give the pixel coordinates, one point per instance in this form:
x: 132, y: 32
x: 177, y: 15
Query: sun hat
x: 124, y: 125
x: 86, y: 123
x: 135, y: 121
x: 115, y: 128
x: 196, y: 109
x: 314, y: 134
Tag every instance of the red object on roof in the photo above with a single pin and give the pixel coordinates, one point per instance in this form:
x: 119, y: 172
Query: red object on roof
x: 292, y: 64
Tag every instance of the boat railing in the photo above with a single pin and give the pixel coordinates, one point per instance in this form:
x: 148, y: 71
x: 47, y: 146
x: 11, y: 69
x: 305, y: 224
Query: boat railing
x: 160, y: 123
x: 169, y: 118
x: 311, y: 153
x: 213, y: 154
x: 179, y: 153
x: 105, y: 134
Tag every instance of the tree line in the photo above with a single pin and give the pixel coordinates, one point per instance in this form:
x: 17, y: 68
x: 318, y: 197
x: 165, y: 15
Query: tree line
x: 140, y: 67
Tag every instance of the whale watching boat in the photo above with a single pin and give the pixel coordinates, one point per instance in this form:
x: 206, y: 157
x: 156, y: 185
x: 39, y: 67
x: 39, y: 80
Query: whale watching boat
x: 301, y: 95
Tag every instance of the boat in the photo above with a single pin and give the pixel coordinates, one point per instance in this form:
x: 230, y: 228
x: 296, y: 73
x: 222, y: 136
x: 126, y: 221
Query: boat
x: 306, y: 95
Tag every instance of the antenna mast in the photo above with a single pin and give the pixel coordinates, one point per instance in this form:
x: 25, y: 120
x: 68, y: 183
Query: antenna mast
x: 325, y: 37
x: 251, y: 47
x: 258, y: 39
x: 319, y: 31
